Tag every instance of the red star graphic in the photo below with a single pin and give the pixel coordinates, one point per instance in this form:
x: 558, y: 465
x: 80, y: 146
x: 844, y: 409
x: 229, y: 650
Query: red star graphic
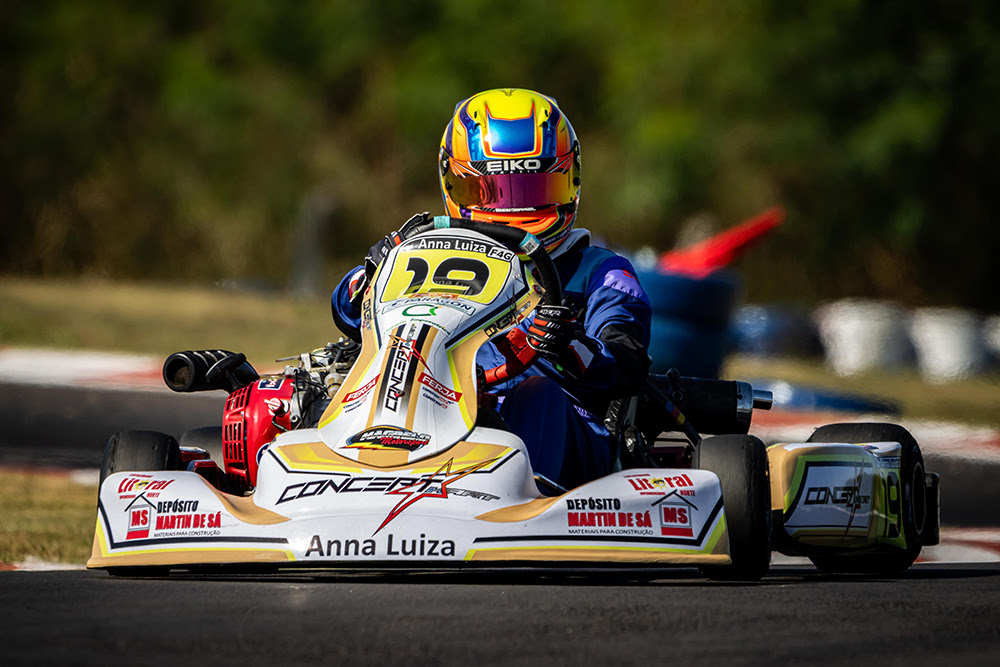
x: 413, y: 494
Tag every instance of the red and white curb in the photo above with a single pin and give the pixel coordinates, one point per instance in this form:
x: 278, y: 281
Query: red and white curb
x: 974, y: 444
x: 102, y: 370
x: 958, y: 545
x: 94, y: 370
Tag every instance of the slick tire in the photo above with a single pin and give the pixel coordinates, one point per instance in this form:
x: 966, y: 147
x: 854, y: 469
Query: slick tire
x: 208, y: 438
x: 740, y: 461
x: 913, y: 503
x: 140, y: 451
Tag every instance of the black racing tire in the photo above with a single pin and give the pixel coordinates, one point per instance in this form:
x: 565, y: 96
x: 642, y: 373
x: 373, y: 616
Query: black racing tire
x: 208, y: 438
x: 740, y: 461
x: 913, y: 507
x: 140, y: 451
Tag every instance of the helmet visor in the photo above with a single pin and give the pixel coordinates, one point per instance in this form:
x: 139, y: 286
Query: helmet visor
x: 508, y: 191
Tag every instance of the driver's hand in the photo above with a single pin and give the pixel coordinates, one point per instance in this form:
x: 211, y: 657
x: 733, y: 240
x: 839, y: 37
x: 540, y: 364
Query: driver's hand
x: 378, y: 251
x: 362, y: 277
x: 552, y: 330
x: 558, y: 337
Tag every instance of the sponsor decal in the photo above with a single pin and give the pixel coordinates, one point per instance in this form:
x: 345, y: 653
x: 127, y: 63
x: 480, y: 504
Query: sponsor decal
x: 508, y: 320
x: 343, y: 483
x: 366, y: 314
x: 650, y: 485
x: 140, y: 517
x: 412, y: 488
x: 500, y: 253
x: 361, y: 391
x: 508, y: 166
x: 420, y: 310
x: 675, y: 520
x: 135, y: 485
x: 415, y: 492
x: 270, y: 384
x: 624, y: 523
x: 388, y: 437
x: 838, y: 495
x: 888, y: 461
x: 405, y: 351
x: 452, y: 301
x: 833, y: 496
x: 594, y: 503
x: 188, y: 521
x: 428, y: 380
x: 603, y: 516
x: 169, y: 518
x: 394, y: 546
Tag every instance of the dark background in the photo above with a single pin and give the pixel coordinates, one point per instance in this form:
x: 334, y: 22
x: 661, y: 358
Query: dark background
x: 201, y: 140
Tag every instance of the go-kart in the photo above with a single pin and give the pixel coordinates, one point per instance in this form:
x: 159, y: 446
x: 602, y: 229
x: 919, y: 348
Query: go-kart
x: 391, y: 453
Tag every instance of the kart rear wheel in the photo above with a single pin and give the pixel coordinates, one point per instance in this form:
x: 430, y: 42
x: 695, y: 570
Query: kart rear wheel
x: 140, y: 451
x: 740, y: 461
x: 208, y: 438
x: 914, y: 507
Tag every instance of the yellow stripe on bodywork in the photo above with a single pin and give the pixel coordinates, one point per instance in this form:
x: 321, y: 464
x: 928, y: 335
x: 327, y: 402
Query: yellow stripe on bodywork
x: 187, y: 555
x: 715, y: 552
x: 317, y: 457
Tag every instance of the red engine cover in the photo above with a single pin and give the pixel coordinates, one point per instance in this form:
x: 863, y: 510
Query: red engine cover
x: 253, y: 416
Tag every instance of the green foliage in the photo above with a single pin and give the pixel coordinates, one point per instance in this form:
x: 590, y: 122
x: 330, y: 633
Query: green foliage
x: 184, y: 139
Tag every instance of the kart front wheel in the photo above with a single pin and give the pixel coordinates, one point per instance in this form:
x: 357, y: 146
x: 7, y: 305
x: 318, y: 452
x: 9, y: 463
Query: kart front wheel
x: 140, y: 451
x: 913, y: 503
x: 740, y: 461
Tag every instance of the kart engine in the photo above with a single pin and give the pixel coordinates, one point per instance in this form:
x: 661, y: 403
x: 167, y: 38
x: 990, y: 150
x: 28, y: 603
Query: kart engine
x: 253, y: 416
x: 259, y: 408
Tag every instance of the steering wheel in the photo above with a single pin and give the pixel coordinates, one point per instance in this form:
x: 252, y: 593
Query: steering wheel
x: 517, y: 354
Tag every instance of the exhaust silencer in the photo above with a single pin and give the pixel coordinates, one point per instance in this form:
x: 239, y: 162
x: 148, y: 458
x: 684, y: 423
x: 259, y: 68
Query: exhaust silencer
x: 206, y: 370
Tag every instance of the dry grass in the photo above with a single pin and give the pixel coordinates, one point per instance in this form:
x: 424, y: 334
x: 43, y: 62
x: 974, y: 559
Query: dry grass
x: 95, y: 315
x: 47, y: 515
x: 158, y: 320
x: 972, y: 401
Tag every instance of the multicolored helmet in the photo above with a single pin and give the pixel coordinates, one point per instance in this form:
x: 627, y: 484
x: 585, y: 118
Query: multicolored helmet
x: 511, y: 157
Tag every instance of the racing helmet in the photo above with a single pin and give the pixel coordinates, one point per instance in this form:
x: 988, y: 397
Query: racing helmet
x: 509, y: 156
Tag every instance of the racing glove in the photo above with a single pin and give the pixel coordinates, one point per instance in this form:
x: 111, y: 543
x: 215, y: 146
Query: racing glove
x: 556, y: 335
x: 362, y: 277
x: 378, y: 251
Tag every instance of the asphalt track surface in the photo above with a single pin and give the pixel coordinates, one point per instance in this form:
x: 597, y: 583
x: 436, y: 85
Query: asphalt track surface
x: 795, y: 615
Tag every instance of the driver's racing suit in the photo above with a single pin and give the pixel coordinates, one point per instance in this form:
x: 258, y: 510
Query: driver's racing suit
x: 558, y: 412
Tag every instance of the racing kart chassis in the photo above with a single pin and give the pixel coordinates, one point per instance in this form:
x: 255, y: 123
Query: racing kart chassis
x: 389, y: 454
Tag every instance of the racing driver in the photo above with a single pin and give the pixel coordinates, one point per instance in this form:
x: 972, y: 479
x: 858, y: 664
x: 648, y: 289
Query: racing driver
x: 593, y: 348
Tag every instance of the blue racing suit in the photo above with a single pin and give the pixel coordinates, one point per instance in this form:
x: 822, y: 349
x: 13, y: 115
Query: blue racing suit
x: 558, y: 411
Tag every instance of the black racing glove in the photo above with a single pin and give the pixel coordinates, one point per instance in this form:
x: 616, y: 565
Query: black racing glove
x: 552, y: 330
x: 362, y: 278
x: 378, y: 251
x: 558, y: 337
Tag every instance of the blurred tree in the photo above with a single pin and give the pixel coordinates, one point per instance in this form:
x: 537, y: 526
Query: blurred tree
x: 182, y: 139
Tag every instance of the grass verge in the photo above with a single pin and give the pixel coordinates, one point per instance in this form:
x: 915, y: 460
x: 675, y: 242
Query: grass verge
x: 47, y: 515
x: 158, y: 320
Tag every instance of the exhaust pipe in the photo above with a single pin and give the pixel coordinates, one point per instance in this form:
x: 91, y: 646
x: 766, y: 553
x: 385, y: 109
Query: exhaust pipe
x: 206, y: 370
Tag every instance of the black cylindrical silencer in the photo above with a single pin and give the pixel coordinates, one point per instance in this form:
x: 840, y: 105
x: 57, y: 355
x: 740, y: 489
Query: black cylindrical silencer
x: 189, y: 371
